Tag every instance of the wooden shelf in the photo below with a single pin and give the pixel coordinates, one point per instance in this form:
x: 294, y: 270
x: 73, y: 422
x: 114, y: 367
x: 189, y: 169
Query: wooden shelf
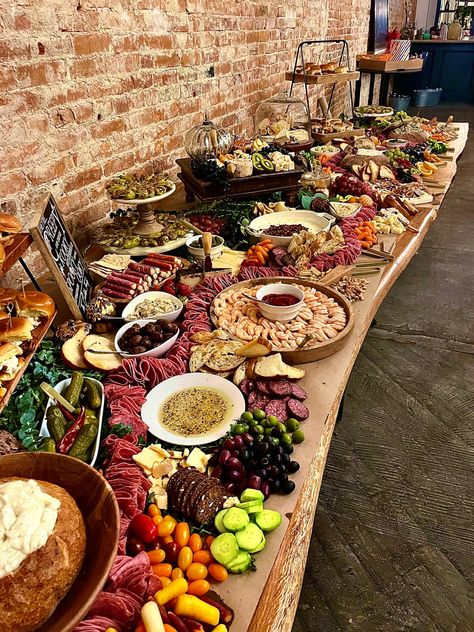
x: 21, y: 243
x: 328, y: 79
x: 38, y: 334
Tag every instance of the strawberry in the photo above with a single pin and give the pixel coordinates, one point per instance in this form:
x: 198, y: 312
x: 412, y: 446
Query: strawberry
x: 184, y: 289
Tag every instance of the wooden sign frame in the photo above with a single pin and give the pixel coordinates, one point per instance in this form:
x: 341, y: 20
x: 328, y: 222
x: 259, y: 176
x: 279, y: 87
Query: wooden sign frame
x: 67, y: 292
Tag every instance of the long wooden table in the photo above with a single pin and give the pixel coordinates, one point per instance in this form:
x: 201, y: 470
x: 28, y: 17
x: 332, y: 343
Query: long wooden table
x: 266, y: 601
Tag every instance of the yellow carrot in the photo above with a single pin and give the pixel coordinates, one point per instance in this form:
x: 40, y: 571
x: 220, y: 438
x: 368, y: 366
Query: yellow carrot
x: 194, y: 608
x: 151, y: 617
x: 176, y: 588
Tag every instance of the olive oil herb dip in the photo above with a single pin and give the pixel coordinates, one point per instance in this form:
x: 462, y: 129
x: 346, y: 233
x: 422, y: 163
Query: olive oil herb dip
x: 195, y: 411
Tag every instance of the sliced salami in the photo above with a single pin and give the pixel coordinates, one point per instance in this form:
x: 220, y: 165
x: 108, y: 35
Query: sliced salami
x: 277, y: 407
x: 262, y: 386
x: 297, y: 409
x: 246, y: 386
x: 282, y: 388
x: 298, y: 393
x: 257, y: 400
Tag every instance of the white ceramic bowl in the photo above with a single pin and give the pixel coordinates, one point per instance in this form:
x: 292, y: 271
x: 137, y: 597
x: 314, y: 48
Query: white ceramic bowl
x: 276, y: 312
x: 338, y: 209
x: 314, y: 222
x: 158, y: 395
x: 62, y: 386
x: 170, y: 316
x: 198, y: 253
x: 157, y: 352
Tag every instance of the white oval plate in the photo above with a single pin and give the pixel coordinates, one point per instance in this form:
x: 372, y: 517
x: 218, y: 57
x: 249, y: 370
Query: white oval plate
x: 170, y: 316
x: 60, y: 387
x: 140, y: 251
x: 158, y: 395
x: 314, y: 222
x: 156, y: 198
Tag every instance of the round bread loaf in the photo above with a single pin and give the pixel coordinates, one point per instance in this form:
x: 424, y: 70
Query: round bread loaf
x: 31, y: 593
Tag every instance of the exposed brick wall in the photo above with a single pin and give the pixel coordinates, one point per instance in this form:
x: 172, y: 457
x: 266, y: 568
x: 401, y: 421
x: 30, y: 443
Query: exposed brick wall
x: 93, y: 87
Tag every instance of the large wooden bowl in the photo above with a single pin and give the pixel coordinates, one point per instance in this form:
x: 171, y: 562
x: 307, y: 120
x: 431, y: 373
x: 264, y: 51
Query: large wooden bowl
x: 99, y: 509
x: 320, y: 350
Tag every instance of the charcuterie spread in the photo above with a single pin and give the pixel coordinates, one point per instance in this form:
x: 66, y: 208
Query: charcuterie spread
x: 181, y: 384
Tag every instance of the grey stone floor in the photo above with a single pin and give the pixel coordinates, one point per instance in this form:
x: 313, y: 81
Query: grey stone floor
x: 392, y: 548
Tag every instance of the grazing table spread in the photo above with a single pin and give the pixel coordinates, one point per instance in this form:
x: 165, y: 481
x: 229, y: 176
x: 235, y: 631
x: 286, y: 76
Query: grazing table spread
x: 197, y: 398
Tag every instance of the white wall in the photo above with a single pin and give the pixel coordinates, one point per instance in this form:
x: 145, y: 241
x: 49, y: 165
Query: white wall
x: 425, y: 13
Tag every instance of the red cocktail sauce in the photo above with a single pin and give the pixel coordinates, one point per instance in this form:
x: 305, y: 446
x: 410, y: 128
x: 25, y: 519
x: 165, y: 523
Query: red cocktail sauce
x: 280, y: 300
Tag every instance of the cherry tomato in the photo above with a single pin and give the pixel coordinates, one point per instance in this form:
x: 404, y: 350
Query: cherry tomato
x: 181, y: 534
x: 165, y: 528
x: 218, y: 572
x: 196, y: 571
x: 172, y: 550
x: 203, y: 557
x: 142, y: 526
x: 176, y: 573
x: 195, y: 542
x: 134, y: 546
x: 171, y: 519
x: 185, y: 558
x: 157, y: 556
x: 158, y: 519
x: 165, y: 580
x: 166, y: 540
x: 199, y: 587
x: 153, y: 511
x: 162, y: 569
x: 209, y: 540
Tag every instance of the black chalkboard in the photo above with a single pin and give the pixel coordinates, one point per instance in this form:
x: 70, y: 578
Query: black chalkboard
x: 62, y: 256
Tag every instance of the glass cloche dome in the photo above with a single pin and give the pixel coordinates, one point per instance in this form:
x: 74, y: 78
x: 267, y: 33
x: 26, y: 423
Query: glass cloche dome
x: 283, y: 119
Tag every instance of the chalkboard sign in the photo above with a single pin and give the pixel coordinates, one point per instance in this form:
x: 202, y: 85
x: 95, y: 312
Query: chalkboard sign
x: 62, y: 256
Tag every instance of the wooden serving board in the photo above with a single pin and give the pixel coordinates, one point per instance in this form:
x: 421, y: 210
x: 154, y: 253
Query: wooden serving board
x: 324, y: 349
x: 326, y: 138
x: 38, y: 334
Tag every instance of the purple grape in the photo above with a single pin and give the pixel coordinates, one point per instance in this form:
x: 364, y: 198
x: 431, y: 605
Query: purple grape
x: 224, y: 456
x: 262, y: 473
x: 236, y: 476
x: 232, y: 488
x: 236, y: 454
x: 239, y: 442
x: 234, y: 464
x: 254, y: 481
x: 228, y: 444
x: 247, y: 438
x: 265, y: 489
x: 214, y: 460
x: 217, y: 472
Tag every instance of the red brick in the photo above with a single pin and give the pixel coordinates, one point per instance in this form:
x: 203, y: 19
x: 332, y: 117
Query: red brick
x: 105, y: 129
x: 83, y: 179
x: 90, y: 44
x: 41, y: 73
x: 47, y: 171
x: 12, y: 183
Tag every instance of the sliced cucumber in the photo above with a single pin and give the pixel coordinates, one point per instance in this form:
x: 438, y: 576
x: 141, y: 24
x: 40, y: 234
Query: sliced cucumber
x: 268, y: 519
x: 219, y: 525
x: 240, y: 564
x: 252, y: 506
x: 235, y: 519
x: 251, y: 494
x: 250, y: 537
x: 224, y: 548
x: 260, y: 547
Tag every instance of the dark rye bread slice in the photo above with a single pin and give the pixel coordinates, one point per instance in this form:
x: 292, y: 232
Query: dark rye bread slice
x: 186, y: 490
x: 201, y: 492
x: 172, y: 487
x: 198, y: 491
x: 208, y: 506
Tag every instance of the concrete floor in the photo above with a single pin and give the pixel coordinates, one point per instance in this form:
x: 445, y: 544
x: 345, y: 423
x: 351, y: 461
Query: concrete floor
x: 392, y: 548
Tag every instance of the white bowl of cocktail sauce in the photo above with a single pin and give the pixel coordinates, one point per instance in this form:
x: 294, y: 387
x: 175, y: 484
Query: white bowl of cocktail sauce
x: 280, y: 301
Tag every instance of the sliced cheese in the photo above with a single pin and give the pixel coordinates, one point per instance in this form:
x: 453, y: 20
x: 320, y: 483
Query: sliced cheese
x: 160, y: 451
x: 147, y: 458
x: 198, y: 459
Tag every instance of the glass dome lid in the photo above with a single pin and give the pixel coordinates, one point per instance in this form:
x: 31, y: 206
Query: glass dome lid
x: 283, y: 119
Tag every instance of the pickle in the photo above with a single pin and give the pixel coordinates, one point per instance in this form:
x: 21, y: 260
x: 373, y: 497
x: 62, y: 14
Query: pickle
x: 56, y: 423
x: 131, y: 242
x: 84, y: 440
x: 74, y: 389
x: 93, y: 397
x: 48, y: 445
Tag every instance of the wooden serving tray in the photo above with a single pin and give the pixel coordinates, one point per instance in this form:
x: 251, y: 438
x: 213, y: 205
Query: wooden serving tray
x: 20, y: 244
x: 324, y: 79
x: 38, y: 334
x: 326, y: 138
x: 324, y: 349
x: 266, y: 183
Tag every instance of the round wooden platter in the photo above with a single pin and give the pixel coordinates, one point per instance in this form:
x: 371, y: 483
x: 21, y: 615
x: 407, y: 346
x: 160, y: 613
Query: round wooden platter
x: 123, y: 301
x: 323, y: 349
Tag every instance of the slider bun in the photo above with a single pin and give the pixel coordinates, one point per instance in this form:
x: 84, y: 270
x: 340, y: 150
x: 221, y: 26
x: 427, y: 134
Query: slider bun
x: 6, y: 376
x: 34, y: 304
x: 7, y: 351
x: 3, y: 254
x: 9, y: 223
x: 15, y: 329
x: 341, y: 69
x: 7, y: 295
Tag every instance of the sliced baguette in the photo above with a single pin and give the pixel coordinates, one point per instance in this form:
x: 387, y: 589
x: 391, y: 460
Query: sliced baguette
x: 273, y: 366
x: 224, y: 358
x: 72, y: 350
x: 255, y: 348
x: 103, y: 362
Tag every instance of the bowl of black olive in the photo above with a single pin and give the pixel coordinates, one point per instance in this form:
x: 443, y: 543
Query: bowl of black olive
x: 145, y: 338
